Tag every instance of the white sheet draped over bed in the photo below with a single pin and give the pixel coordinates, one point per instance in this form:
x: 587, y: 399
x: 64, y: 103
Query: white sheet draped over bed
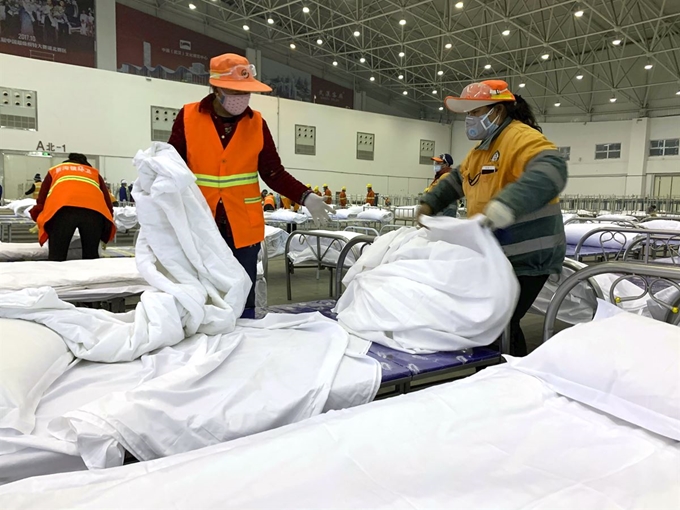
x: 443, y: 288
x: 230, y: 381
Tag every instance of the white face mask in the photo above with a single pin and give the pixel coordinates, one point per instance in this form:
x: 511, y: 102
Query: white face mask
x: 437, y: 168
x: 234, y: 104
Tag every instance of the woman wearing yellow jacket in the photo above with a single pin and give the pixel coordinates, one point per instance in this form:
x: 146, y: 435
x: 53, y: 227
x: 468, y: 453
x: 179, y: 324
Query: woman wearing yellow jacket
x: 513, y: 177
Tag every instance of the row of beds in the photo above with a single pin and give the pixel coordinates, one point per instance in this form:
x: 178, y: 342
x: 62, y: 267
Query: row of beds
x: 334, y: 251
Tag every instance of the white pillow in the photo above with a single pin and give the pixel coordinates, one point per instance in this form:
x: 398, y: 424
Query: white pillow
x: 661, y: 225
x: 374, y: 214
x: 627, y: 366
x: 32, y: 357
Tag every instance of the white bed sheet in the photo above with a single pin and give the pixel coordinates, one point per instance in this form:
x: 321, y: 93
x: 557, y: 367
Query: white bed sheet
x: 275, y: 239
x: 62, y: 411
x: 305, y: 250
x: 497, y: 440
x: 72, y: 275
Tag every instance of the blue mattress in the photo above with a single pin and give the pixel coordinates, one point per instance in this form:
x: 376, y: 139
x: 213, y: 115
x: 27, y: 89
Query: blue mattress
x: 397, y: 364
x: 589, y: 251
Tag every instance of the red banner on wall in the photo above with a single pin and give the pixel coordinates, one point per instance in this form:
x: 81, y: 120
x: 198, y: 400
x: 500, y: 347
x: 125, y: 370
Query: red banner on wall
x: 153, y: 47
x: 332, y: 94
x: 60, y: 31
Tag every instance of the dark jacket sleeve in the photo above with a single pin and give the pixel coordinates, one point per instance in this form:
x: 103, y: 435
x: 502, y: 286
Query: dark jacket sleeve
x: 449, y: 189
x: 544, y: 178
x: 177, y: 138
x: 272, y: 172
x: 30, y: 190
x: 105, y: 192
x: 42, y: 196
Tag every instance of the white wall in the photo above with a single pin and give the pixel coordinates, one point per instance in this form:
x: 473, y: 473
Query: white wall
x: 632, y: 174
x: 108, y: 114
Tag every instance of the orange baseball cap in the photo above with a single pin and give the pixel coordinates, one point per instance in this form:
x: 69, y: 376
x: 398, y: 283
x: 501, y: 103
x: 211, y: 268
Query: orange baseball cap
x: 234, y: 72
x: 480, y: 94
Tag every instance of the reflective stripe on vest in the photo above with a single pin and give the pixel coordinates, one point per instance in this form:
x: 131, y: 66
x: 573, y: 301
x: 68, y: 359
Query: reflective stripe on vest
x: 217, y: 181
x: 73, y: 178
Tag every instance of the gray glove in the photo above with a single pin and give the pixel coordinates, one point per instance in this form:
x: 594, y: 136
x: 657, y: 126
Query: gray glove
x: 498, y: 215
x: 318, y: 208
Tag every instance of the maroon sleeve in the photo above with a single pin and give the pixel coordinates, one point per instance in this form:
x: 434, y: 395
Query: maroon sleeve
x: 272, y: 172
x: 177, y: 138
x: 105, y: 191
x: 42, y: 196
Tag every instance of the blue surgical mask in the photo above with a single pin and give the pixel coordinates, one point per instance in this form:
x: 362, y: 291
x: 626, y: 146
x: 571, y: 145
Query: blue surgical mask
x: 479, y: 128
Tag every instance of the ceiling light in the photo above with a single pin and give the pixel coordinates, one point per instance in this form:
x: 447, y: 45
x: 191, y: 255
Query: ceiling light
x: 448, y: 46
x: 402, y: 54
x: 487, y: 66
x: 305, y: 9
x: 579, y: 13
x: 246, y: 27
x: 319, y: 41
x: 362, y: 60
x: 616, y: 42
x: 405, y: 93
x: 357, y: 33
x: 612, y: 100
x: 402, y: 22
x: 434, y: 91
x: 292, y: 46
x: 506, y: 32
x: 558, y: 104
x: 649, y: 66
x: 270, y: 21
x: 459, y: 5
x: 401, y: 76
x: 579, y: 76
x: 372, y: 78
x: 192, y: 7
x: 441, y: 108
x: 522, y: 85
x: 545, y: 56
x: 335, y: 63
x: 440, y: 72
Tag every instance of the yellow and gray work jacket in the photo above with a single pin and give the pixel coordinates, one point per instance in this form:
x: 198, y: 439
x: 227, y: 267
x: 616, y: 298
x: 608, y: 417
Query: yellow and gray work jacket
x: 520, y: 168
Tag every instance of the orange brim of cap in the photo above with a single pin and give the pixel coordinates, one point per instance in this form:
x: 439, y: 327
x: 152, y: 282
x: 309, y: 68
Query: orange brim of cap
x: 458, y: 105
x: 438, y: 160
x: 251, y: 85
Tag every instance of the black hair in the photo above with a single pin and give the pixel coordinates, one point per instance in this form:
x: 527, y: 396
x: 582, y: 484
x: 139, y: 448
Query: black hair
x: 521, y: 111
x: 78, y: 158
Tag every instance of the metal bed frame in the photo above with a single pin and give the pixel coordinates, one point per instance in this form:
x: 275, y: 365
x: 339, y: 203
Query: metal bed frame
x: 621, y: 223
x: 607, y: 234
x: 649, y: 274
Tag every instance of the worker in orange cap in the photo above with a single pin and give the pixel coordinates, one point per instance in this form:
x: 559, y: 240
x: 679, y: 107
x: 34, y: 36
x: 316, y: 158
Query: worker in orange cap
x: 327, y: 194
x: 513, y: 177
x: 229, y: 147
x: 343, y: 197
x: 370, y: 195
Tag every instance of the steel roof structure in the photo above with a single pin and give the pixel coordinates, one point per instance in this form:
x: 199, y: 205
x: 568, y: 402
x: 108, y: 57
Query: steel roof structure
x: 572, y: 60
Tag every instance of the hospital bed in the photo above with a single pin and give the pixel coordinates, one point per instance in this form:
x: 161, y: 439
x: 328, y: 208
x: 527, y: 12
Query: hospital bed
x: 13, y: 227
x: 516, y: 436
x: 320, y: 250
x: 613, y: 242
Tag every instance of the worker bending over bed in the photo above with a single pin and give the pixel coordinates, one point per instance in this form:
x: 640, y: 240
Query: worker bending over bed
x: 74, y: 196
x: 227, y: 145
x: 513, y: 177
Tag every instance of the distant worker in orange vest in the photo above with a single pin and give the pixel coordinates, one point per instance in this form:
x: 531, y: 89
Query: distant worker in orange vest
x: 34, y: 190
x: 268, y: 201
x: 74, y: 196
x: 328, y: 195
x: 227, y: 161
x: 343, y: 197
x: 316, y: 191
x: 370, y: 195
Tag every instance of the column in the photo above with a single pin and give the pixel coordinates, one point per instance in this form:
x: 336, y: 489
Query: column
x: 637, y: 157
x: 105, y: 29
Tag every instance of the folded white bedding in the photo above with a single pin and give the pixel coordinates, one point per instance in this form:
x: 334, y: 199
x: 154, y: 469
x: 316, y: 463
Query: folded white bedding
x: 443, y: 288
x: 286, y: 216
x: 498, y: 440
x: 661, y: 224
x: 21, y: 207
x: 306, y: 249
x: 275, y: 239
x: 125, y: 218
x: 374, y: 214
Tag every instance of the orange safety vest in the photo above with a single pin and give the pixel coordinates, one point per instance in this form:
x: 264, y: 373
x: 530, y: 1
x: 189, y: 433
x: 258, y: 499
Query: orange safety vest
x: 74, y: 186
x: 343, y: 199
x: 370, y: 197
x: 287, y: 202
x: 329, y: 196
x: 228, y: 175
x: 269, y: 200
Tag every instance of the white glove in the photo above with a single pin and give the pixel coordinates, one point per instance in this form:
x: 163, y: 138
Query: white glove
x: 498, y: 215
x: 318, y: 208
